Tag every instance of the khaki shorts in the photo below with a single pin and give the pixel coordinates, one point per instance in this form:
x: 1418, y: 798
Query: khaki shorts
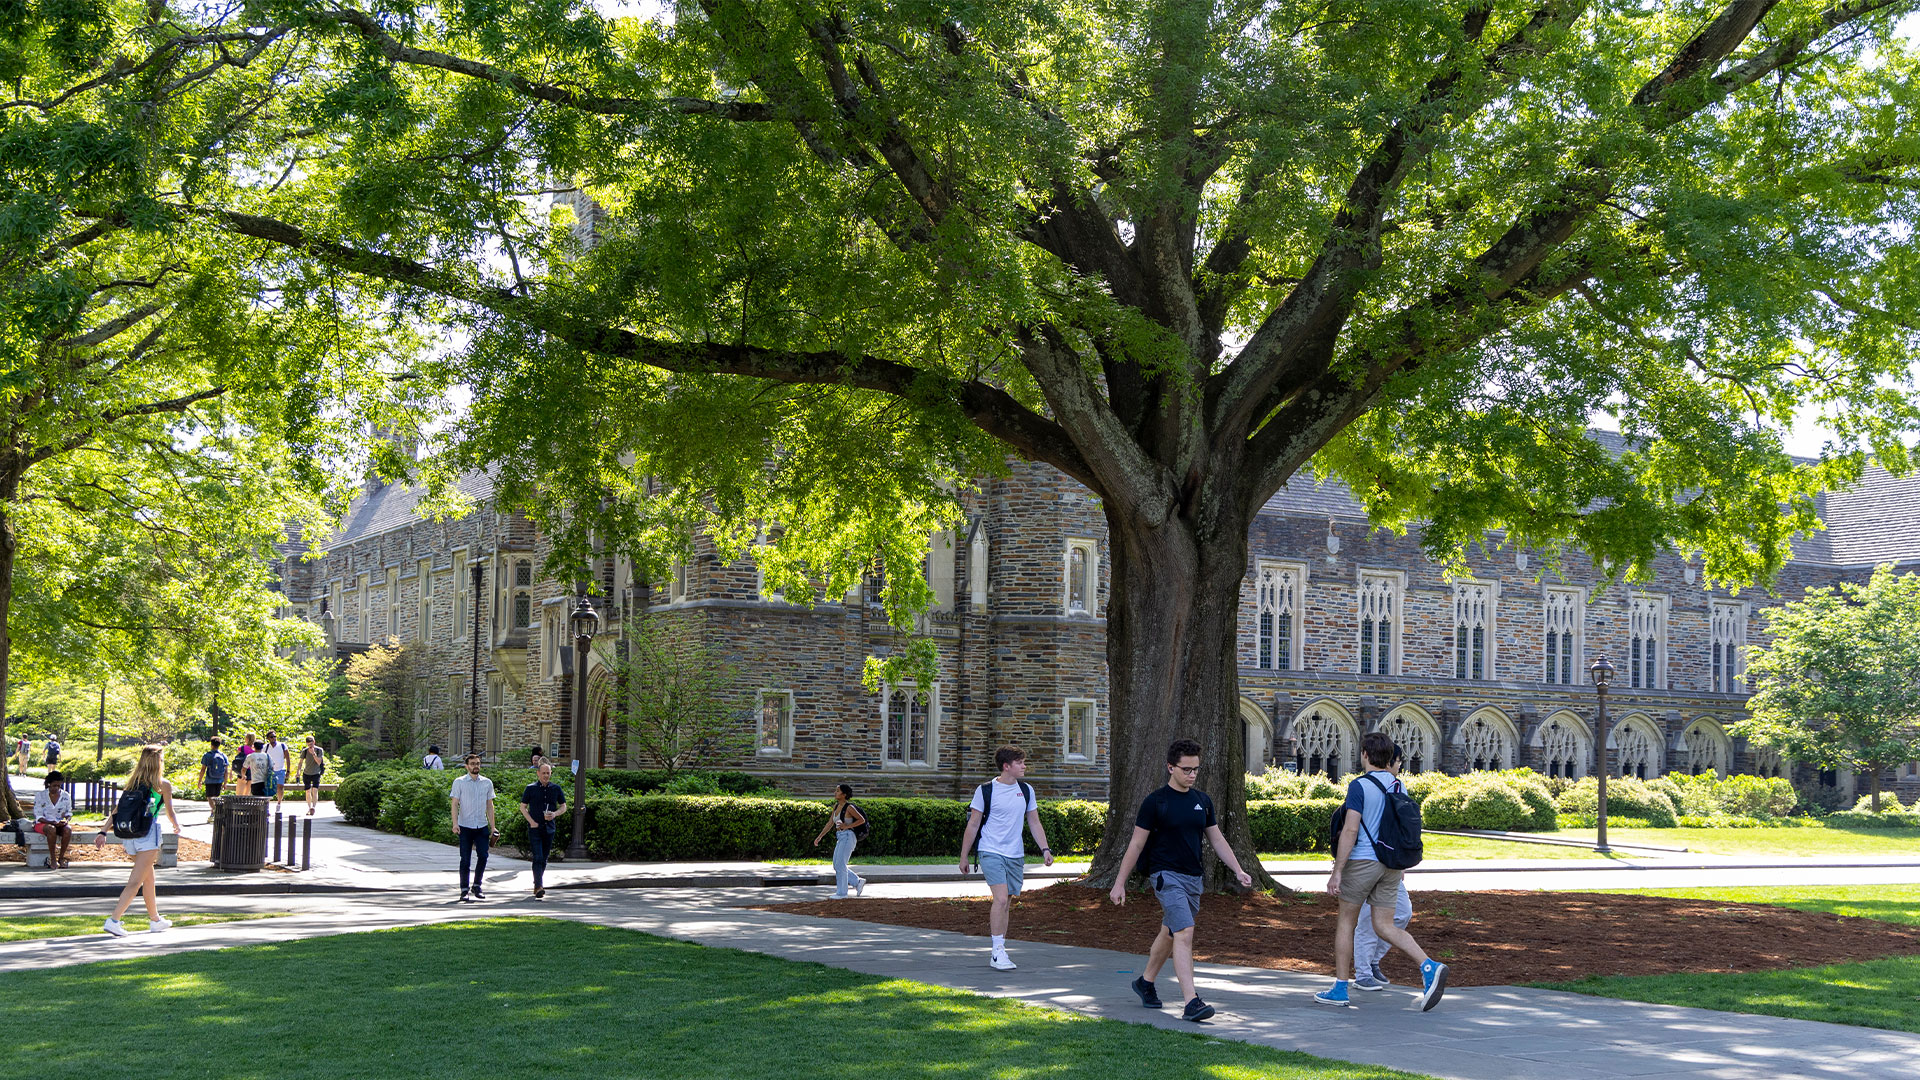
x: 1367, y: 882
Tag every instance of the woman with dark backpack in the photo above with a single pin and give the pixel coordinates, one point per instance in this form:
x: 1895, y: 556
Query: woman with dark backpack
x: 147, y: 794
x: 851, y: 825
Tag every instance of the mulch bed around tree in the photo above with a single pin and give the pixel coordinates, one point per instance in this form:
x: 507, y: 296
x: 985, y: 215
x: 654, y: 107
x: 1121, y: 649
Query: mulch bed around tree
x: 191, y: 850
x: 1489, y: 938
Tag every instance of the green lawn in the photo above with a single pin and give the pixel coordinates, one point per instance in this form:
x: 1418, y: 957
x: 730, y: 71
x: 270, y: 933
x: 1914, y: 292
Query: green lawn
x: 533, y: 997
x: 1877, y: 993
x: 1810, y: 840
x: 25, y: 927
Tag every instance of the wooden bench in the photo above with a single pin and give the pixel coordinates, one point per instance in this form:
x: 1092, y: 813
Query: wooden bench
x: 37, y: 853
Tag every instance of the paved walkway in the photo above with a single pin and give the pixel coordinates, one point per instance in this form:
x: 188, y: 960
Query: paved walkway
x: 1480, y: 1033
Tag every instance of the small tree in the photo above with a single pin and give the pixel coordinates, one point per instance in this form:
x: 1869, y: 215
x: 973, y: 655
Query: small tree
x: 679, y: 703
x: 380, y: 683
x: 1838, y: 686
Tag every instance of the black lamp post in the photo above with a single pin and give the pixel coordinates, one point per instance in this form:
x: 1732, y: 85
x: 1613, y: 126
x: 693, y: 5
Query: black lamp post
x: 1602, y: 675
x: 585, y: 623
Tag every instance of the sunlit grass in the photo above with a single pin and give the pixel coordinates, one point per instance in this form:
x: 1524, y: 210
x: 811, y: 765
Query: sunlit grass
x: 1808, y: 840
x: 1888, y: 903
x: 532, y: 997
x: 27, y: 927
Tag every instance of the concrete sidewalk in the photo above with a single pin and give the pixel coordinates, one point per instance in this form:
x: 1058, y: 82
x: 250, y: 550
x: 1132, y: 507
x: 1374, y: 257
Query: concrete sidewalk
x: 1479, y: 1033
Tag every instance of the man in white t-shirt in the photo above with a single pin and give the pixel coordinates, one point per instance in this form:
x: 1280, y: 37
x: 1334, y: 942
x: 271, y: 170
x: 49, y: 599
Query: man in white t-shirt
x: 472, y: 805
x: 277, y: 760
x: 999, y: 809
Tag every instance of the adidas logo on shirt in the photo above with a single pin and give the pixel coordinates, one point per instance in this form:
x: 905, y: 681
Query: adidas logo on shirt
x: 1196, y: 806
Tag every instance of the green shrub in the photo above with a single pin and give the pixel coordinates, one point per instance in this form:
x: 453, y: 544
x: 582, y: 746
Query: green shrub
x: 1290, y: 825
x: 358, y: 797
x: 1861, y: 819
x: 1275, y: 784
x: 1590, y: 820
x: 690, y: 784
x: 1074, y: 826
x: 1485, y: 804
x: 115, y: 765
x: 1889, y: 804
x: 1626, y: 798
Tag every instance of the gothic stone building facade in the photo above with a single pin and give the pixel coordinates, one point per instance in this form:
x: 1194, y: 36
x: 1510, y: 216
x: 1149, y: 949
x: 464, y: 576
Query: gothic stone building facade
x: 1344, y: 629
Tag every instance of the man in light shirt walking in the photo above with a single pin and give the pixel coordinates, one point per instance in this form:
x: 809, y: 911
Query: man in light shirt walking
x: 473, y: 823
x: 999, y: 810
x: 277, y: 759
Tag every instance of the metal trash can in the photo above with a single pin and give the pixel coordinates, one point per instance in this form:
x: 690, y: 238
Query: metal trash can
x: 240, y: 832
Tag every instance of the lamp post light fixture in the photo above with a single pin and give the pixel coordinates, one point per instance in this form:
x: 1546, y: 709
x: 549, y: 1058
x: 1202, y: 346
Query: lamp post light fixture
x: 1602, y: 671
x: 585, y: 623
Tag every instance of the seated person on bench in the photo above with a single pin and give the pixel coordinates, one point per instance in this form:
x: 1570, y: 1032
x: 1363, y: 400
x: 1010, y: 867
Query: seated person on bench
x: 53, y: 818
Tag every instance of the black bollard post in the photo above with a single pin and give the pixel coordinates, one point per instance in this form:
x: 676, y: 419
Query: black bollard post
x: 278, y: 821
x: 306, y: 845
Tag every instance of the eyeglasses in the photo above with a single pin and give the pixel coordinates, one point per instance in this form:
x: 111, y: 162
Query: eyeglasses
x: 1190, y: 771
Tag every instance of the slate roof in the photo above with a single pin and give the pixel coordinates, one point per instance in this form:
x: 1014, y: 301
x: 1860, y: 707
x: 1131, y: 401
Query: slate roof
x: 1875, y: 521
x: 390, y: 506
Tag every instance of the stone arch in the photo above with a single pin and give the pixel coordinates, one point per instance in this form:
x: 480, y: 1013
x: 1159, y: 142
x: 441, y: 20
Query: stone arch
x: 1417, y: 734
x: 1259, y: 730
x: 1703, y: 747
x: 1565, y: 744
x: 1637, y: 747
x: 1325, y: 739
x: 601, y: 737
x: 1488, y: 740
x: 1768, y: 762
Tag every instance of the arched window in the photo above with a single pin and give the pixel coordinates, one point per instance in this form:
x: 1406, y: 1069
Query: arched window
x: 1487, y: 742
x: 1324, y: 743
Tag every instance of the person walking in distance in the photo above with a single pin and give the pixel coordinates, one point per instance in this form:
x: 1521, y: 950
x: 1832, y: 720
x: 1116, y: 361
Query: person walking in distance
x: 1168, y: 830
x: 1000, y: 810
x: 1368, y: 949
x: 1359, y: 877
x: 849, y: 826
x: 313, y: 765
x: 473, y: 823
x: 259, y: 771
x: 242, y: 783
x: 277, y: 762
x: 149, y: 782
x: 432, y: 760
x: 53, y: 818
x: 53, y: 751
x: 213, y: 769
x: 541, y: 803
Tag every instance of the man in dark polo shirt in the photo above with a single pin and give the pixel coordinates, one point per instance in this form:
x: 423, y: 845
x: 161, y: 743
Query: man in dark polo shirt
x: 541, y: 803
x: 1168, y: 828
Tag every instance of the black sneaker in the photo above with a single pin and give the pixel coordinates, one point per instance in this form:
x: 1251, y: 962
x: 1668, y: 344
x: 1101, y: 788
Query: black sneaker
x: 477, y: 894
x: 1374, y: 970
x: 464, y: 898
x: 1149, y: 995
x: 1197, y: 1011
x: 539, y: 894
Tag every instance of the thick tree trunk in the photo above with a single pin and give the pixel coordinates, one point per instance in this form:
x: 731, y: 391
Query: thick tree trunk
x: 1171, y: 655
x: 10, y: 805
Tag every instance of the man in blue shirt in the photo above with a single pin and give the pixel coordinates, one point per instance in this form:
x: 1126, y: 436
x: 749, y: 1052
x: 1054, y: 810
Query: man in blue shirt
x: 1359, y: 878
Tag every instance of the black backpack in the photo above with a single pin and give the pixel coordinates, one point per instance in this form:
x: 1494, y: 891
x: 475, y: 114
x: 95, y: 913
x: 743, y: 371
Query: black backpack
x: 986, y: 798
x: 1397, y: 846
x: 133, y: 814
x: 861, y: 830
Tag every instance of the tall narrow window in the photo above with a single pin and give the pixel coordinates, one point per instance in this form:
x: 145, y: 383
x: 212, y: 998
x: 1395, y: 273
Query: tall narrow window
x: 1472, y: 629
x: 496, y: 714
x: 1278, y: 591
x: 775, y: 738
x: 1729, y: 637
x: 363, y: 623
x: 1379, y: 623
x: 677, y: 583
x: 1080, y: 730
x: 1565, y: 613
x: 423, y: 619
x: 1082, y: 576
x: 907, y: 719
x: 522, y: 594
x: 1647, y: 633
x: 462, y: 591
x: 460, y: 715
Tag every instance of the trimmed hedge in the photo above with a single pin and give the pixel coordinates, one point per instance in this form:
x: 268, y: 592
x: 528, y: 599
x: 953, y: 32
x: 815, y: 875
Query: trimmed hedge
x: 1626, y: 798
x: 1862, y: 819
x: 1290, y: 825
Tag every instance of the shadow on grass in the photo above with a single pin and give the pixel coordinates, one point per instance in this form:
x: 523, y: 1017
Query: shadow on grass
x: 523, y: 997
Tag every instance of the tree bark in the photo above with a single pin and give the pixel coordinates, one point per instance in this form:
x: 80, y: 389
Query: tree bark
x: 10, y: 805
x: 1171, y: 651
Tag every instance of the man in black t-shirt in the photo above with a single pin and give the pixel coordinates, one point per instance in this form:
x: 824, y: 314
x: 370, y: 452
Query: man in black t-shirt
x: 541, y: 803
x: 1168, y: 828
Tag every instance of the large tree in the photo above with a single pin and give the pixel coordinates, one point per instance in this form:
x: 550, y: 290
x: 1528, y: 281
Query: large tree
x: 1180, y: 250
x: 1837, y: 682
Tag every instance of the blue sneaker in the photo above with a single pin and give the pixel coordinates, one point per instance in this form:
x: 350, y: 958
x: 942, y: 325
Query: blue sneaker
x: 1336, y: 997
x: 1433, y: 976
x: 1368, y: 982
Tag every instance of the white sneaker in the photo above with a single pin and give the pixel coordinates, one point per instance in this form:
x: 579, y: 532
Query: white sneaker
x: 158, y: 923
x: 860, y: 886
x: 112, y: 926
x: 999, y: 961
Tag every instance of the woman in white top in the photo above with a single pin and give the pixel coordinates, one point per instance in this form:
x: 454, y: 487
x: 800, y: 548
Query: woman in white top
x: 145, y: 849
x: 844, y: 819
x: 52, y: 817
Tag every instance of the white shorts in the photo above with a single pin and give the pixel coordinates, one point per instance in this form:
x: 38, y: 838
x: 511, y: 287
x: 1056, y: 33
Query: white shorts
x: 149, y: 842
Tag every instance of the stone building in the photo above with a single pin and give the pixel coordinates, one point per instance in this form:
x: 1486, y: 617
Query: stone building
x: 1344, y: 628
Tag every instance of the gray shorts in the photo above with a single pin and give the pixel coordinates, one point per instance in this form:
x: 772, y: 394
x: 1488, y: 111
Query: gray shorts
x: 1003, y: 870
x: 1179, y: 896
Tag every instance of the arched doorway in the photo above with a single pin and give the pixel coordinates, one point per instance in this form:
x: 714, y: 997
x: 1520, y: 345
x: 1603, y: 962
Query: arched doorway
x: 1325, y: 740
x: 1259, y: 729
x: 1414, y: 730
